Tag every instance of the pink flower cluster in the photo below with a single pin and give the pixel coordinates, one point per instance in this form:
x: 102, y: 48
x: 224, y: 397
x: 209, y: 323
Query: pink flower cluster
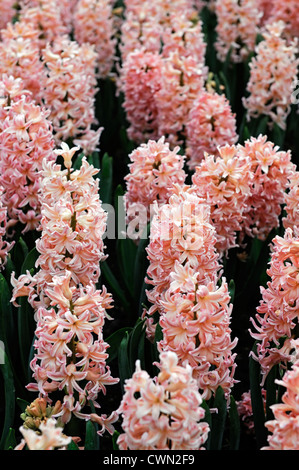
x: 245, y: 411
x: 272, y: 169
x: 224, y: 182
x: 26, y: 139
x: 20, y: 56
x: 245, y: 186
x: 192, y: 303
x: 286, y: 12
x: 291, y: 218
x: 8, y: 12
x: 70, y: 353
x: 237, y: 28
x: 59, y: 72
x: 277, y: 314
x: 162, y: 26
x: 273, y: 76
x: 163, y: 69
x: 45, y: 17
x: 94, y: 24
x: 4, y: 245
x: 163, y: 413
x: 211, y: 123
x: 154, y: 168
x: 285, y: 425
x: 69, y: 91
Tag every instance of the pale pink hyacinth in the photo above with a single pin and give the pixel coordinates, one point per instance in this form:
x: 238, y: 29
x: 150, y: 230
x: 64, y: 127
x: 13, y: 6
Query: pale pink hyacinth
x: 182, y: 80
x: 26, y: 139
x: 273, y: 76
x: 140, y: 81
x: 8, y: 12
x: 20, y: 56
x: 46, y: 17
x: 5, y: 246
x: 192, y: 302
x: 291, y: 217
x: 211, y: 123
x: 271, y: 168
x: 161, y: 24
x: 70, y: 353
x: 277, y: 315
x: 94, y: 24
x: 50, y: 437
x: 163, y: 413
x: 153, y: 169
x: 237, y: 28
x: 224, y: 181
x: 69, y: 91
x: 284, y: 428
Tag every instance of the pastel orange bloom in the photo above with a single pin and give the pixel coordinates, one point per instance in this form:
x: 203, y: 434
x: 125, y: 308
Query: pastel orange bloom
x: 285, y: 425
x: 163, y: 413
x: 210, y: 124
x: 277, y: 314
x: 273, y: 76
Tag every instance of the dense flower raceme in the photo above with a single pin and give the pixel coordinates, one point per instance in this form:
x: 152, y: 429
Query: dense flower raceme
x: 154, y: 168
x: 5, y: 246
x: 140, y: 81
x: 272, y: 169
x: 162, y: 26
x: 26, y: 139
x: 20, y: 56
x: 273, y: 76
x: 211, y: 123
x: 70, y: 353
x: 288, y: 12
x: 69, y: 91
x: 159, y: 93
x: 8, y: 12
x: 94, y: 24
x: 285, y: 425
x: 45, y: 16
x: 163, y: 413
x: 291, y: 217
x: 237, y: 28
x: 277, y: 315
x: 224, y: 181
x: 192, y: 302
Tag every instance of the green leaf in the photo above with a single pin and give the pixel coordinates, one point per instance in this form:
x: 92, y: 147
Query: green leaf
x: 9, y: 396
x: 26, y: 329
x: 114, y: 284
x: 72, y: 446
x: 106, y: 179
x: 92, y: 441
x: 235, y: 427
x: 114, y: 440
x: 10, y: 441
x: 257, y: 401
x: 218, y: 420
x: 114, y: 340
x: 125, y: 371
x: 141, y: 264
x: 29, y: 261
